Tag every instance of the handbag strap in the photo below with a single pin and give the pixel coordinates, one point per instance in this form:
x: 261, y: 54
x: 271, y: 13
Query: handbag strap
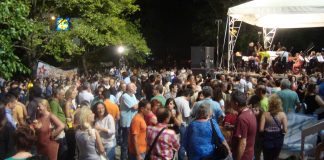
x: 214, y: 132
x: 277, y: 123
x: 153, y: 144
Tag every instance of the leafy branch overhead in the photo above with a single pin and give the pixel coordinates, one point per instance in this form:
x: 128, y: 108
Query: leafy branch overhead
x: 28, y: 34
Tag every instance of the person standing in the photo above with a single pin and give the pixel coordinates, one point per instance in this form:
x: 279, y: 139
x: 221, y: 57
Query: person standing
x: 57, y: 110
x: 167, y: 143
x: 158, y: 94
x: 105, y: 125
x: 137, y: 134
x: 289, y: 98
x: 128, y: 108
x: 182, y: 103
x: 48, y: 131
x: 246, y: 127
x: 199, y: 142
x: 274, y: 124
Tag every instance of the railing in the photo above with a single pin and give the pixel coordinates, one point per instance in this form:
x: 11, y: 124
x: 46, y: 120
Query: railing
x: 309, y: 131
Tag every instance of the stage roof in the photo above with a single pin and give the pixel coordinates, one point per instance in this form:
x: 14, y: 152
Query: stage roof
x: 280, y: 13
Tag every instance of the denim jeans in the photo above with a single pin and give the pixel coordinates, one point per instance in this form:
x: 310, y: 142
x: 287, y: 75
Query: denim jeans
x: 124, y: 144
x: 182, y: 151
x: 133, y: 157
x: 62, y: 152
x: 110, y: 152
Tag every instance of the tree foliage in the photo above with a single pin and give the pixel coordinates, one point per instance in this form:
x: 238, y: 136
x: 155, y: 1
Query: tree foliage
x: 27, y: 27
x: 14, y: 26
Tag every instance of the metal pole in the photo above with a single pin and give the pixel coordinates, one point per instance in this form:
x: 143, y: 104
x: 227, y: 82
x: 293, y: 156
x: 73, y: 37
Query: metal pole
x: 218, y: 21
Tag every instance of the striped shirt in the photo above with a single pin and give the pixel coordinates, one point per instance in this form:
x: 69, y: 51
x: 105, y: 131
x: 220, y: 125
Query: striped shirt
x: 166, y: 145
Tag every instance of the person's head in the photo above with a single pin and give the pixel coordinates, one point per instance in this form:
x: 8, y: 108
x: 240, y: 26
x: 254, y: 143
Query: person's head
x: 43, y: 106
x: 203, y: 111
x: 158, y: 89
x: 218, y: 94
x: 84, y: 118
x: 187, y: 92
x: 155, y: 104
x: 9, y: 101
x: 131, y: 88
x: 170, y: 104
x: 207, y: 91
x: 238, y: 100
x: 59, y: 93
x: 122, y: 86
x: 173, y: 88
x: 144, y: 107
x: 200, y: 96
x: 106, y: 94
x: 24, y: 138
x: 311, y: 88
x: 163, y: 115
x: 15, y: 92
x: 86, y: 86
x: 111, y: 82
x: 36, y: 91
x: 261, y: 91
x: 275, y: 104
x: 99, y: 90
x: 152, y: 78
x: 71, y: 93
x: 285, y: 84
x: 133, y: 79
x: 99, y: 109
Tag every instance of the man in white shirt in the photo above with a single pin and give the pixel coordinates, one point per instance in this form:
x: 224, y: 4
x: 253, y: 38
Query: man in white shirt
x: 184, y: 109
x: 85, y: 94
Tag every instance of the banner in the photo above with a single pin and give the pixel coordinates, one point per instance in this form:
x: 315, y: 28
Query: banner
x: 45, y: 70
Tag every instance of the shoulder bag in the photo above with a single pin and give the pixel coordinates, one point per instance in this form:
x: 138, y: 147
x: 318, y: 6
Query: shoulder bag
x: 221, y: 151
x: 148, y: 154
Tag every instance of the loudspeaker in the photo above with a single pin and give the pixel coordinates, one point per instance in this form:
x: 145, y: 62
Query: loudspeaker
x: 202, y: 57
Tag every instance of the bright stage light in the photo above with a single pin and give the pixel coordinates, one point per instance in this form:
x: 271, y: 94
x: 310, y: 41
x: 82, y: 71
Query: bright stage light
x: 120, y: 49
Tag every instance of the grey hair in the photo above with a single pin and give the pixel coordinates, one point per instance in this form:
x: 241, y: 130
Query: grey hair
x: 203, y: 111
x: 285, y: 84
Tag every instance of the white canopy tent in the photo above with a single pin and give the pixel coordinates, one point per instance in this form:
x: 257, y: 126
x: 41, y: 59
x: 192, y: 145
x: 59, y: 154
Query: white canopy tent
x: 272, y: 14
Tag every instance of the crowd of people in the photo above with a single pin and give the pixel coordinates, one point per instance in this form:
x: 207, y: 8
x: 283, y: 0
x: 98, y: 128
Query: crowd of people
x: 168, y: 115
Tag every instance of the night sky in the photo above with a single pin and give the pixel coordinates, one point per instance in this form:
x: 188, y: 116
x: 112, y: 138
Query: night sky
x: 171, y: 27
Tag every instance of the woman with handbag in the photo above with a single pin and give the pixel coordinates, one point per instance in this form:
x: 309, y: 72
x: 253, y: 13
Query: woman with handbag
x: 273, y: 124
x: 47, y: 127
x: 203, y: 138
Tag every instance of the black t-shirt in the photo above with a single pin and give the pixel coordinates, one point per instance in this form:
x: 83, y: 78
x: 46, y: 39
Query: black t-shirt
x: 148, y: 90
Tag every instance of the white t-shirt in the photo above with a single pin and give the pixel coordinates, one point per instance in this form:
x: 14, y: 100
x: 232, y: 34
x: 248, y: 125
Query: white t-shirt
x: 85, y: 96
x: 108, y: 138
x: 183, y: 107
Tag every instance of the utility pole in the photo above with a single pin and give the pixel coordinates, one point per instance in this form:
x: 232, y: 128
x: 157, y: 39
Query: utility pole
x: 218, y: 21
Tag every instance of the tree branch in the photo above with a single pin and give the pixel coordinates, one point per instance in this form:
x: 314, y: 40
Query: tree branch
x: 23, y: 47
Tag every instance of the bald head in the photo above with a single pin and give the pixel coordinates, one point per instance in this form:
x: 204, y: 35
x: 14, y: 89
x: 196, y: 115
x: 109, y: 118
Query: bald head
x: 131, y: 88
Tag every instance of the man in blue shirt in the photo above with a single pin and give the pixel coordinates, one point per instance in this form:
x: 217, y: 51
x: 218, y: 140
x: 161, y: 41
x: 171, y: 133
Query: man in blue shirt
x: 289, y: 98
x: 207, y: 92
x: 128, y: 109
x: 9, y: 102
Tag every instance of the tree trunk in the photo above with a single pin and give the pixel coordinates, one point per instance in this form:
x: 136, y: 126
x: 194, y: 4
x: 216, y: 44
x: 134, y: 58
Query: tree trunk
x: 84, y: 64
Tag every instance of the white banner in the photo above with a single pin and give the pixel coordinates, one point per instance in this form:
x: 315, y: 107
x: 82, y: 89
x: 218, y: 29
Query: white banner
x: 45, y: 70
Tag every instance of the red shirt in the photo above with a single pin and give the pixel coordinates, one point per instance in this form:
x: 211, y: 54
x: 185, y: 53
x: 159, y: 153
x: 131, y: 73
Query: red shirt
x: 246, y: 127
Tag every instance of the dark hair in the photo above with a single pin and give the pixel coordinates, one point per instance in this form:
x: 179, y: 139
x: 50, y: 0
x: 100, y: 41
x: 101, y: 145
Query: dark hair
x: 172, y: 86
x: 24, y: 138
x: 311, y: 88
x: 8, y: 98
x: 95, y: 109
x: 133, y: 79
x: 187, y: 92
x: 218, y: 94
x: 151, y: 78
x: 15, y: 92
x: 142, y: 103
x: 36, y: 91
x: 239, y: 98
x: 159, y: 88
x: 207, y: 91
x: 162, y: 114
x: 106, y: 93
